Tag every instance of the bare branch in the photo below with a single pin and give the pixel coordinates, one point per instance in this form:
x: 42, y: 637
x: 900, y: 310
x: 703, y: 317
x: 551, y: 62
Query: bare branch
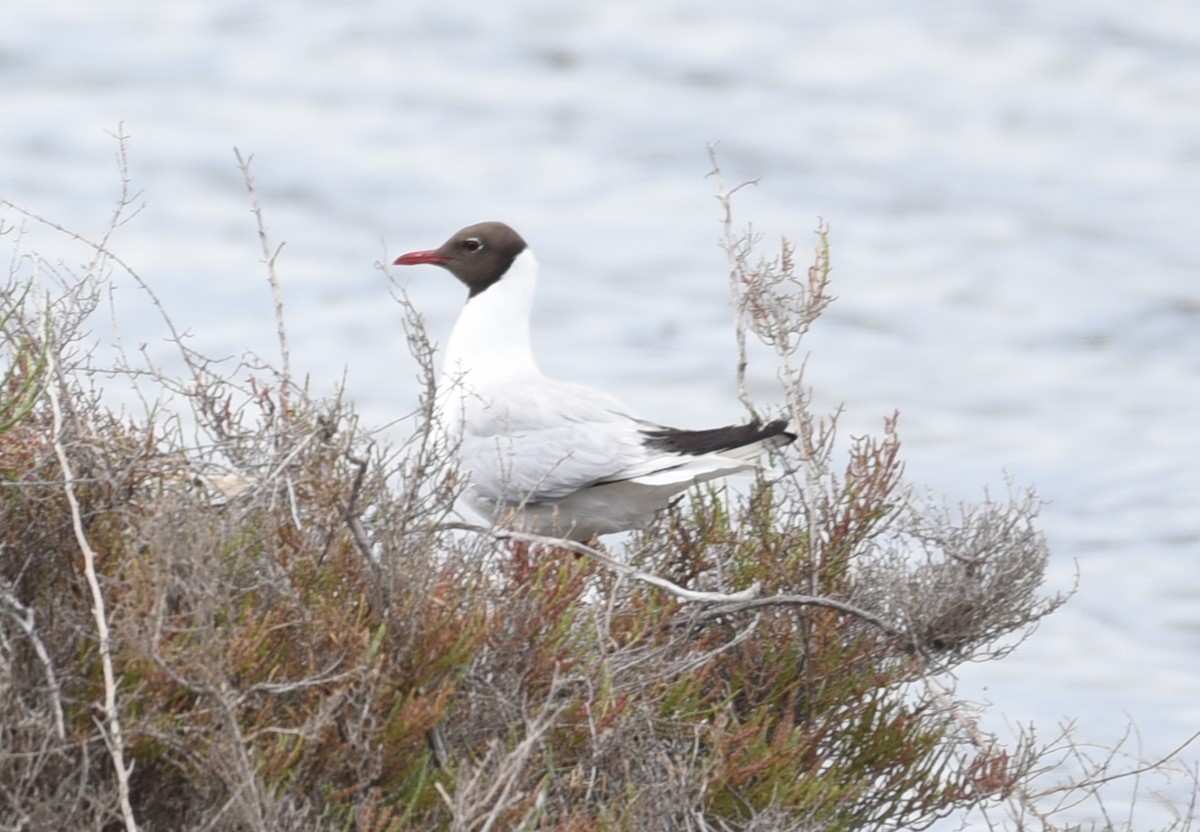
x: 111, y: 714
x: 731, y: 602
x: 607, y: 562
x: 792, y: 600
x: 269, y: 257
x: 23, y: 615
x: 736, y: 250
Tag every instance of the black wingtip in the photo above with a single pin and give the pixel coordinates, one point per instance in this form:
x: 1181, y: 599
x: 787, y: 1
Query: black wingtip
x: 716, y: 440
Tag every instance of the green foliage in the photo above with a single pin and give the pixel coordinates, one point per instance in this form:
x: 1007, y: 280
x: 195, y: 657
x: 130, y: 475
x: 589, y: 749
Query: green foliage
x: 25, y: 376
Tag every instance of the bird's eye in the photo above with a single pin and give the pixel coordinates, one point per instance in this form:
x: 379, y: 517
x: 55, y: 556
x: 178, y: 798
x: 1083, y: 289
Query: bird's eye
x: 473, y: 244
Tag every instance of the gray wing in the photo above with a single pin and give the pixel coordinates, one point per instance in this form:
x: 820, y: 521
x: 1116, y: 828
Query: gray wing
x: 539, y: 440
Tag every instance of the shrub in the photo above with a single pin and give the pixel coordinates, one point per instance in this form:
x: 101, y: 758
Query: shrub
x: 280, y: 626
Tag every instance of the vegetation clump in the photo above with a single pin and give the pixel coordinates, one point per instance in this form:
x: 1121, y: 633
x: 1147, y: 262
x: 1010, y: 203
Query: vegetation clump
x: 266, y: 620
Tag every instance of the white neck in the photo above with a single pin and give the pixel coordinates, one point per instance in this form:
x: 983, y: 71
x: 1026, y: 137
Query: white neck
x: 490, y: 342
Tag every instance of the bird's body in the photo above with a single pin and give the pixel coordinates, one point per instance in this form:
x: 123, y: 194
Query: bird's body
x: 547, y: 456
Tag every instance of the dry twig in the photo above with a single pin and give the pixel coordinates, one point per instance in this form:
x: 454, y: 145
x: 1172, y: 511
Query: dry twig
x: 269, y: 257
x: 116, y: 743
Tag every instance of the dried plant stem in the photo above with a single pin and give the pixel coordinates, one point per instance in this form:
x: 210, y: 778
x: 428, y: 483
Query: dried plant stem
x: 116, y: 744
x: 732, y: 602
x: 124, y: 211
x: 794, y: 600
x: 23, y: 615
x: 269, y: 257
x: 493, y: 789
x: 1017, y: 797
x: 610, y: 563
x: 739, y: 277
x: 121, y: 212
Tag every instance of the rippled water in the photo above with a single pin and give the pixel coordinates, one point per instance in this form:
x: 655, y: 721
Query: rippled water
x: 1014, y: 192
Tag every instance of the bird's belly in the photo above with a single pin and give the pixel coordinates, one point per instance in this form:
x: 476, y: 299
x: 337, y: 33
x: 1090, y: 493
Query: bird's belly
x: 595, y: 510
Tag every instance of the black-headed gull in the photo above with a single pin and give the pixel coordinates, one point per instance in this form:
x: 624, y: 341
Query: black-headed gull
x: 545, y: 456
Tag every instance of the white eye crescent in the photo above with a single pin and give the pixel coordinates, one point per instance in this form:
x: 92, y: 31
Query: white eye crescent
x: 473, y: 244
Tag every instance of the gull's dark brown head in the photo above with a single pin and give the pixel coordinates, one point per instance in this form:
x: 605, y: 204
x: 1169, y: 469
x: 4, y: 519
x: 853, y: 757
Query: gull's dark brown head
x: 478, y: 255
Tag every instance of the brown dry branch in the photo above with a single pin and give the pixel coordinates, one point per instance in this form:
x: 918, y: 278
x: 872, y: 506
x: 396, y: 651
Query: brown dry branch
x: 300, y: 637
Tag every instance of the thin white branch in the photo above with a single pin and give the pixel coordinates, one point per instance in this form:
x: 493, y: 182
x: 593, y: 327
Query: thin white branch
x: 794, y: 600
x: 609, y: 563
x: 732, y: 602
x: 23, y: 615
x: 116, y: 744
